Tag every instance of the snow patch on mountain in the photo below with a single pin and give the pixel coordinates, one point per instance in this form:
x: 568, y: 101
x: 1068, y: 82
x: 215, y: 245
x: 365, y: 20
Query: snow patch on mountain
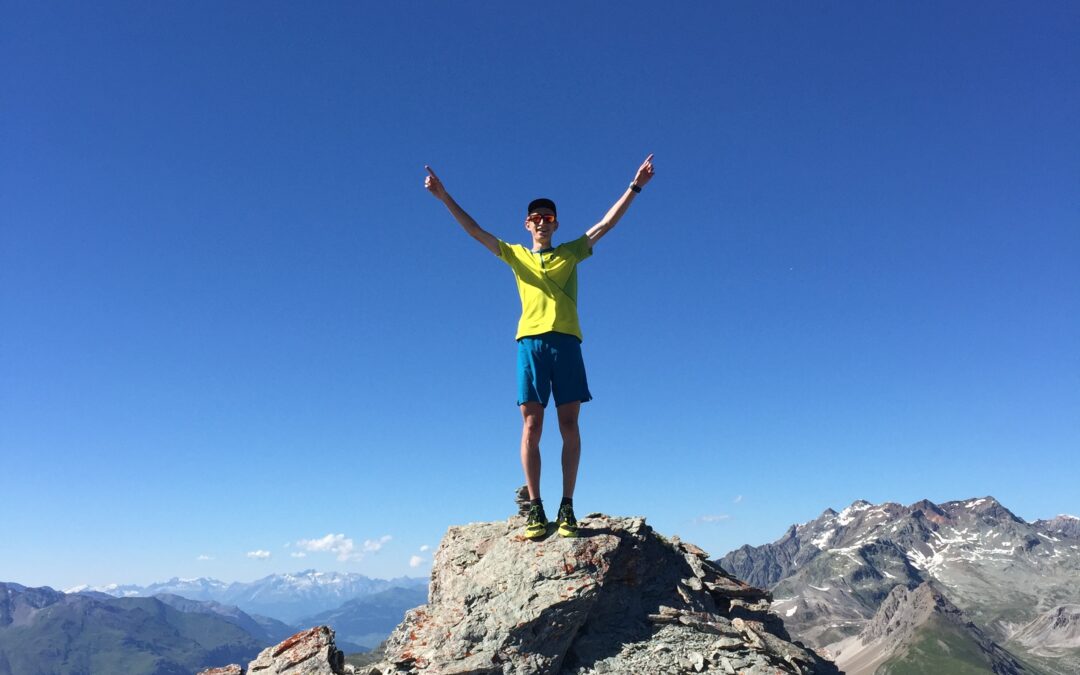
x: 847, y: 516
x: 823, y: 540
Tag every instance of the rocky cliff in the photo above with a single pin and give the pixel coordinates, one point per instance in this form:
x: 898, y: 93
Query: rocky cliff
x: 618, y: 599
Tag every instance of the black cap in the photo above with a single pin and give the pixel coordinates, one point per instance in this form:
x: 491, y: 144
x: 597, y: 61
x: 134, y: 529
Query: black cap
x: 542, y: 203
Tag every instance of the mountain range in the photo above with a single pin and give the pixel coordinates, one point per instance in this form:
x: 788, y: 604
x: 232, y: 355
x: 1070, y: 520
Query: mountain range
x: 1014, y: 585
x: 957, y: 587
x: 182, y: 625
x: 364, y: 622
x: 286, y: 597
x: 45, y: 632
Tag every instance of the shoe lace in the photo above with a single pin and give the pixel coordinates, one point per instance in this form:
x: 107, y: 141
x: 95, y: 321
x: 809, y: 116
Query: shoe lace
x: 536, y: 514
x: 566, y: 514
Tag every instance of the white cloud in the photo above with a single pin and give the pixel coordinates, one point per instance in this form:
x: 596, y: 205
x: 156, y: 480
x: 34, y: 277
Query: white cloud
x: 373, y: 546
x: 738, y: 499
x: 712, y: 518
x: 425, y: 548
x: 205, y: 557
x: 259, y: 555
x: 338, y: 544
x: 416, y: 561
x: 343, y: 547
x: 298, y: 554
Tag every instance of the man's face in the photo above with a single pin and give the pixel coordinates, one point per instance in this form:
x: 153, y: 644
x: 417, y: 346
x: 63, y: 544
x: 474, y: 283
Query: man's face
x: 541, y: 224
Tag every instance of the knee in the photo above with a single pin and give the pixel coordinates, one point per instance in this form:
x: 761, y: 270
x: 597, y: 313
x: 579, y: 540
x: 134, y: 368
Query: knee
x: 533, y: 424
x: 568, y: 426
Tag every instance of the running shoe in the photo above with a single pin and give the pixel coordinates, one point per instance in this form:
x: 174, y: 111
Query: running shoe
x: 567, y: 521
x: 536, y: 525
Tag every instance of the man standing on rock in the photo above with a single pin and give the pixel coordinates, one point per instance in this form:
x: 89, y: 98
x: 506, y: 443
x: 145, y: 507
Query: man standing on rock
x: 548, y: 333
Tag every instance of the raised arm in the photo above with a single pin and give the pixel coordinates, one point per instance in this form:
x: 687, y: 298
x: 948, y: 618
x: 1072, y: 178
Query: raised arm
x: 435, y: 187
x: 644, y: 175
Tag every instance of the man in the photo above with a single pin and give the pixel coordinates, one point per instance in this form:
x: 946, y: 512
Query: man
x: 548, y: 334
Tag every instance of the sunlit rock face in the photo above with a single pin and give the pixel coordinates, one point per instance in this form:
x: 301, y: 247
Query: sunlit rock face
x: 618, y: 599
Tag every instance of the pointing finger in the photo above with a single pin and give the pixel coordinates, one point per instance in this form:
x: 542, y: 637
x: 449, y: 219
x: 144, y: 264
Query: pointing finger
x: 431, y: 172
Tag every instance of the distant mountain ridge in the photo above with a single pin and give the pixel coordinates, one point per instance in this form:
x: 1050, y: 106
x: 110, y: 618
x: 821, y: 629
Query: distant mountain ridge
x: 831, y: 575
x: 286, y: 597
x: 45, y: 632
x: 920, y: 630
x: 368, y: 620
x: 1064, y: 524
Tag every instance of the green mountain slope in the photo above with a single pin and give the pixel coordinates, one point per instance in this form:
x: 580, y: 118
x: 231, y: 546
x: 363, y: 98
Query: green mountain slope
x: 81, y: 635
x: 938, y: 647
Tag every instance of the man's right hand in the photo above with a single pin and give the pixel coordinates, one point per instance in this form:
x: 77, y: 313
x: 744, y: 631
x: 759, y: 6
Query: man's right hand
x: 434, y: 185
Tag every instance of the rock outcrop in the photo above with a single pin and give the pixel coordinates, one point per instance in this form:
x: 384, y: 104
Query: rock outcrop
x: 233, y: 669
x: 919, y: 630
x: 618, y: 599
x: 1053, y: 631
x: 1052, y: 640
x: 309, y: 652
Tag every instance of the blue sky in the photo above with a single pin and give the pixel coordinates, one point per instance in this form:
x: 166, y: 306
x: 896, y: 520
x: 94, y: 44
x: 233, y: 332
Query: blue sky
x: 232, y: 320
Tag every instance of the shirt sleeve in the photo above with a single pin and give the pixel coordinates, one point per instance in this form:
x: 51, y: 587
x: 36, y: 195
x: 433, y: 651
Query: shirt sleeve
x: 579, y: 248
x: 506, y: 254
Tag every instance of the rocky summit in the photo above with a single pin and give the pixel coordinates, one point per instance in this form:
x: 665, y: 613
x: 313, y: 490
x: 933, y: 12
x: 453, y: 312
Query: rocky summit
x: 618, y: 599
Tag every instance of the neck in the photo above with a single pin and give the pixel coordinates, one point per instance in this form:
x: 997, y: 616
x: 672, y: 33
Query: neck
x: 540, y: 245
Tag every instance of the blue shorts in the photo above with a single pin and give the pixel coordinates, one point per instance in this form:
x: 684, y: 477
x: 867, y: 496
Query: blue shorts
x: 551, y: 362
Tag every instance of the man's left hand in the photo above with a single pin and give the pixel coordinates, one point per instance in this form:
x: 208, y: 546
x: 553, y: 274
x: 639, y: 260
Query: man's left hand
x: 644, y: 172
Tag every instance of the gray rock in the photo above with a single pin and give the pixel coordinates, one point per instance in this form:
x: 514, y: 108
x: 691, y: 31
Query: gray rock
x: 618, y: 599
x: 309, y: 652
x: 231, y: 669
x: 521, y: 498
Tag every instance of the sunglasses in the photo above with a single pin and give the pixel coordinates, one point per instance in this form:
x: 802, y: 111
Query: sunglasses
x: 537, y: 218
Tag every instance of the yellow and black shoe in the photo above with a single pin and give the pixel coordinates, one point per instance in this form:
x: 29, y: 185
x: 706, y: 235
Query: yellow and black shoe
x: 567, y: 521
x: 536, y: 525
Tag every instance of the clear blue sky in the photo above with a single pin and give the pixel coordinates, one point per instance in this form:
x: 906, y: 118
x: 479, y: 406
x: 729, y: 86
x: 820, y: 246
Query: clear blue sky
x: 232, y: 319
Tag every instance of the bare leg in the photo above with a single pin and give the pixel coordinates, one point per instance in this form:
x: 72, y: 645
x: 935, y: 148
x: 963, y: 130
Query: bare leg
x: 571, y: 449
x: 532, y: 415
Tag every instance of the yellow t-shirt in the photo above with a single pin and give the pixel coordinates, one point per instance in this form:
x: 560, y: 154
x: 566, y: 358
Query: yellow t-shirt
x: 547, y: 284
